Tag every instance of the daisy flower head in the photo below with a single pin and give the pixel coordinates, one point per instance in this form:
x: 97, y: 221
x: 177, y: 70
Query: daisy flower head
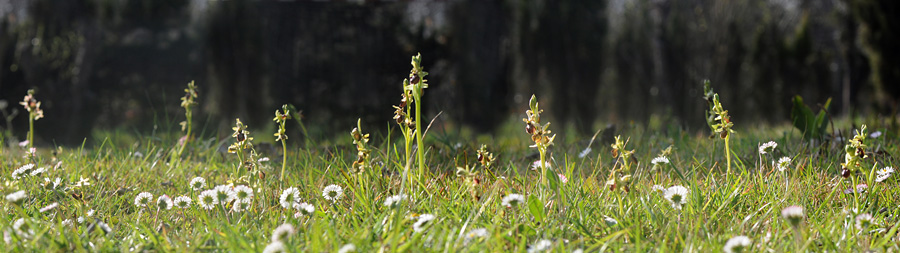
x: 677, y: 195
x: 207, y: 199
x: 783, y: 163
x: 660, y: 160
x: 143, y: 199
x: 540, y: 246
x: 536, y: 165
x: 304, y: 209
x: 658, y: 188
x: 241, y: 205
x: 793, y: 214
x: 884, y: 174
x: 182, y: 202
x: 224, y: 194
x: 332, y: 192
x: 767, y: 147
x: 475, y: 234
x: 423, y: 222
x: 863, y: 221
x: 512, y: 200
x: 274, y: 247
x: 16, y: 197
x: 860, y: 188
x: 22, y: 171
x: 737, y: 244
x: 282, y: 232
x: 289, y: 197
x: 38, y: 171
x: 198, y: 183
x: 394, y: 201
x: 242, y: 192
x: 49, y: 207
x: 347, y: 248
x: 164, y: 202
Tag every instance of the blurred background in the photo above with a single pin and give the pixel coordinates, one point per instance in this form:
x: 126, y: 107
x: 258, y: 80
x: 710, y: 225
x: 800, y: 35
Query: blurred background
x: 115, y: 64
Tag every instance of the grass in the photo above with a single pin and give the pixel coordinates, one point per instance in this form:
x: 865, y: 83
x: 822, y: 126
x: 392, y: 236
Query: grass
x: 582, y: 214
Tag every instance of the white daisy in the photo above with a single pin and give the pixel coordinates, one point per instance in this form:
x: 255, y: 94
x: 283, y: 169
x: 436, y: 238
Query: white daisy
x: 16, y: 197
x: 22, y: 228
x: 783, y: 163
x: 884, y: 174
x: 241, y: 205
x: 394, y: 201
x: 863, y: 221
x: 289, y: 196
x: 610, y: 221
x: 737, y: 244
x: 658, y: 188
x: 207, y: 199
x: 475, y: 234
x: 22, y: 171
x: 90, y: 213
x: 164, y: 202
x: 661, y: 159
x: 143, y: 199
x: 261, y: 160
x: 347, y: 248
x: 38, y: 171
x: 512, y: 200
x: 274, y: 247
x: 242, y: 192
x: 677, y: 195
x: 182, y: 202
x: 540, y: 246
x: 793, y: 214
x: 223, y: 194
x: 282, y: 232
x: 332, y: 192
x: 304, y: 209
x: 423, y: 222
x: 875, y: 134
x: 52, y: 184
x: 536, y: 165
x: 67, y: 222
x: 49, y: 207
x: 767, y: 147
x: 198, y: 183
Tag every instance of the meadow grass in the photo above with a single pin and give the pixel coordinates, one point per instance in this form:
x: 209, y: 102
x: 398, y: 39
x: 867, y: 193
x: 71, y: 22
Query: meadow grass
x: 99, y: 184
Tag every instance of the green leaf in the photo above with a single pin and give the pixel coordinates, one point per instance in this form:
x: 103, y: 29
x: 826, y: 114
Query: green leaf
x: 536, y: 207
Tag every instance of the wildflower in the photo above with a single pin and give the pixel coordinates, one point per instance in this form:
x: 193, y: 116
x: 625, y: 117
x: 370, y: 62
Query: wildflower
x: 884, y: 174
x: 82, y: 182
x: 261, y: 160
x: 22, y: 228
x: 542, y: 245
x: 423, y: 222
x: 90, y: 213
x: 38, y: 171
x: 182, y: 202
x: 737, y: 244
x: 274, y: 247
x: 223, y: 194
x: 863, y: 221
x: 30, y: 152
x: 610, y: 221
x: 783, y: 163
x: 347, y: 248
x: 67, y: 222
x: 21, y: 171
x: 80, y: 219
x: 289, y: 196
x: 658, y: 188
x: 677, y: 195
x: 875, y: 134
x: 793, y: 214
x: 282, y: 232
x: 767, y: 147
x: 242, y: 192
x: 24, y: 143
x: 394, y: 201
x: 512, y: 200
x: 52, y: 184
x: 16, y: 197
x: 198, y: 183
x: 860, y: 188
x: 584, y: 152
x: 658, y: 160
x: 164, y: 202
x: 49, y: 207
x: 332, y: 192
x: 143, y: 199
x: 304, y: 209
x: 207, y: 199
x: 475, y: 234
x: 537, y: 165
x: 241, y: 205
x: 562, y: 178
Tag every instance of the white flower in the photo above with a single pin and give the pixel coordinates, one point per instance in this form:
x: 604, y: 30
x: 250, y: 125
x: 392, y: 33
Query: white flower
x: 82, y: 182
x: 182, y: 202
x: 242, y: 192
x: 241, y: 205
x: 610, y: 221
x: 661, y: 159
x: 875, y: 134
x: 164, y: 202
x: 476, y: 234
x: 67, y: 222
x: 332, y: 192
x: 584, y: 152
x: 540, y: 246
x: 24, y: 143
x: 536, y: 165
x: 863, y: 221
x: 423, y: 222
x: 198, y: 183
x: 143, y: 199
x: 207, y: 199
x: 658, y: 188
x: 274, y: 247
x: 783, y: 163
x: 52, y: 184
x: 21, y: 171
x: 223, y: 194
x: 49, y: 207
x: 38, y: 171
x: 90, y: 213
x: 737, y: 244
x: 793, y: 214
x: 347, y: 248
x: 289, y: 196
x: 882, y: 177
x: 304, y: 209
x: 677, y: 195
x: 394, y: 201
x: 16, y: 197
x: 282, y: 232
x: 767, y: 147
x: 80, y: 219
x: 22, y: 228
x: 264, y: 159
x: 884, y: 174
x: 512, y: 200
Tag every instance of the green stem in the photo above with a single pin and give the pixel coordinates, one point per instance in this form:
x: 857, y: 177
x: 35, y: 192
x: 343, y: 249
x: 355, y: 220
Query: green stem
x: 283, y: 157
x: 544, y: 182
x: 420, y: 148
x: 727, y: 156
x: 30, y: 130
